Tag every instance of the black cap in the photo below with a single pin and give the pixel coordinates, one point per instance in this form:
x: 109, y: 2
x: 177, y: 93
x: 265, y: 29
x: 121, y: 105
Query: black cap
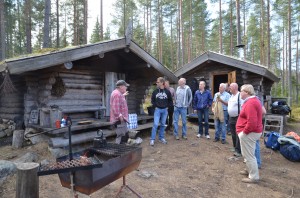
x: 122, y: 82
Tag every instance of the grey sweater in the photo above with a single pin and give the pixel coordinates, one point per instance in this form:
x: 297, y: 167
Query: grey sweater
x: 183, y: 96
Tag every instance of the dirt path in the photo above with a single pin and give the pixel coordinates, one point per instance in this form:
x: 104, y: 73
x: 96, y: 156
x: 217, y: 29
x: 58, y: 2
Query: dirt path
x: 184, y: 168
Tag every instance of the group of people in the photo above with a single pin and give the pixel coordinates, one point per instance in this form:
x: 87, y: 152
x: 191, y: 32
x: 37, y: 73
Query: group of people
x: 242, y: 112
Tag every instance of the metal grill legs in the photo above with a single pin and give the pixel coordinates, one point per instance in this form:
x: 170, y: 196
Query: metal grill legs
x: 126, y: 186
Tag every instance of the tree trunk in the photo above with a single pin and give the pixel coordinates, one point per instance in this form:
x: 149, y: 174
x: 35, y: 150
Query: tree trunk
x: 28, y: 26
x: 85, y: 25
x: 262, y: 38
x: 283, y: 64
x: 57, y: 23
x: 18, y: 139
x: 101, y: 20
x: 46, y: 43
x: 268, y: 36
x: 75, y: 25
x: 297, y: 67
x: 190, y: 33
x: 231, y: 28
x: 182, y: 35
x: 220, y: 27
x: 27, y: 184
x: 2, y: 31
x: 290, y: 53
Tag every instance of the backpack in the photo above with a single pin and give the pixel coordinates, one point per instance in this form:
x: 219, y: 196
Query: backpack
x: 271, y: 140
x: 290, y: 152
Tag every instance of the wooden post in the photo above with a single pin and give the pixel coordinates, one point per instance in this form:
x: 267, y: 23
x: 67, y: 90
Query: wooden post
x: 27, y: 180
x: 18, y: 138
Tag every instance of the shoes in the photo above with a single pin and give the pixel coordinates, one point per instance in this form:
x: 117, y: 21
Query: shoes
x: 244, y: 172
x: 151, y: 142
x: 207, y: 137
x: 236, y: 154
x: 216, y: 140
x: 250, y: 181
x: 176, y: 137
x: 223, y: 141
x: 184, y: 137
x: 163, y: 141
x: 199, y: 136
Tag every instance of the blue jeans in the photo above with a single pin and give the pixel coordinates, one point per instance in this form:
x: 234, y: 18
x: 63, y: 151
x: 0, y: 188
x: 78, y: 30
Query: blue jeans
x: 160, y: 116
x: 220, y: 127
x: 180, y: 111
x: 203, y: 113
x: 257, y: 153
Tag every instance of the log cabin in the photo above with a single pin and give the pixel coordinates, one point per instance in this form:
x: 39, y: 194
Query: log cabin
x: 77, y: 81
x: 217, y: 68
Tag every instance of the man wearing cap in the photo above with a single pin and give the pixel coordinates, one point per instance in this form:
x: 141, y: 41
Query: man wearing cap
x: 119, y: 111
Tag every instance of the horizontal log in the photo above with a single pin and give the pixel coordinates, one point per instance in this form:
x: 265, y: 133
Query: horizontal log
x: 80, y: 76
x: 76, y: 96
x: 83, y: 86
x: 81, y: 71
x: 12, y: 104
x: 73, y: 102
x: 83, y: 81
x: 83, y: 91
x: 13, y: 110
x: 79, y: 138
x: 77, y: 109
x: 16, y: 99
x: 10, y: 116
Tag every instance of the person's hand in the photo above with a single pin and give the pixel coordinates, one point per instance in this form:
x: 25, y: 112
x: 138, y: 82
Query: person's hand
x: 121, y: 118
x: 126, y: 93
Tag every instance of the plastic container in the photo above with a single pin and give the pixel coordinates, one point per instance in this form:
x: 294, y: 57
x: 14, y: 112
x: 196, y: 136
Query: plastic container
x: 57, y: 124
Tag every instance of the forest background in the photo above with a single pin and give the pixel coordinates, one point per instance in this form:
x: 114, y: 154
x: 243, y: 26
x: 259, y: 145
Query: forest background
x: 173, y: 31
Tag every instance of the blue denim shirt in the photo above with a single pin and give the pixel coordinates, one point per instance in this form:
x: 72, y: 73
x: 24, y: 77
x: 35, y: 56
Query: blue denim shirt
x: 202, y: 100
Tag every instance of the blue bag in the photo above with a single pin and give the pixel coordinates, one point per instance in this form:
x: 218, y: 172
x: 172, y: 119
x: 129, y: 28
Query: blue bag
x: 271, y: 140
x: 290, y: 152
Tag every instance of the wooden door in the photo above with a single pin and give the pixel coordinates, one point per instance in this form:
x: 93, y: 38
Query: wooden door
x: 232, y: 77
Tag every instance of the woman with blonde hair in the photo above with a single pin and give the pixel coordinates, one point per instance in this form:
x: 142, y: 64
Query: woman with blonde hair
x: 249, y: 129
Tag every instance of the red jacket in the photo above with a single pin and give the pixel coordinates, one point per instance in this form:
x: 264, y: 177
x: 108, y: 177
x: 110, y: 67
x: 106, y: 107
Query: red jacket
x: 250, y: 118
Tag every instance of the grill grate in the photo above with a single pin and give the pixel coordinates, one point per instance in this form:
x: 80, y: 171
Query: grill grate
x: 81, y: 163
x: 114, y: 150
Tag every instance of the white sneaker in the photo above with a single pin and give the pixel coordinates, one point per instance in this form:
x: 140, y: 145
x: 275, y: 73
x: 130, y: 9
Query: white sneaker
x: 151, y: 142
x: 198, y: 136
x: 207, y: 137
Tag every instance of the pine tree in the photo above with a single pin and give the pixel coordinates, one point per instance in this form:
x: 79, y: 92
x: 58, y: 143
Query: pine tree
x: 95, y: 37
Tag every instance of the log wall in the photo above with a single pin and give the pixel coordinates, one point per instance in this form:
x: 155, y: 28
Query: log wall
x: 83, y: 90
x: 12, y: 105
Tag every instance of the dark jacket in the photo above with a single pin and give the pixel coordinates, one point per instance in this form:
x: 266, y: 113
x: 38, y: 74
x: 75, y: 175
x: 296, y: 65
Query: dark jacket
x: 161, y: 98
x: 202, y: 100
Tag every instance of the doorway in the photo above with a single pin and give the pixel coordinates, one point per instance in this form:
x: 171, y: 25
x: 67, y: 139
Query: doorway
x: 218, y: 79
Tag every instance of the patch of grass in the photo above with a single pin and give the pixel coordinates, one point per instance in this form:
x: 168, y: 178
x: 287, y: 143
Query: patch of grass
x: 295, y: 114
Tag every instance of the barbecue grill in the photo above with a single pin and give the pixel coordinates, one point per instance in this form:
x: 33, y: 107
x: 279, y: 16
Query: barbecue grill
x: 91, y: 169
